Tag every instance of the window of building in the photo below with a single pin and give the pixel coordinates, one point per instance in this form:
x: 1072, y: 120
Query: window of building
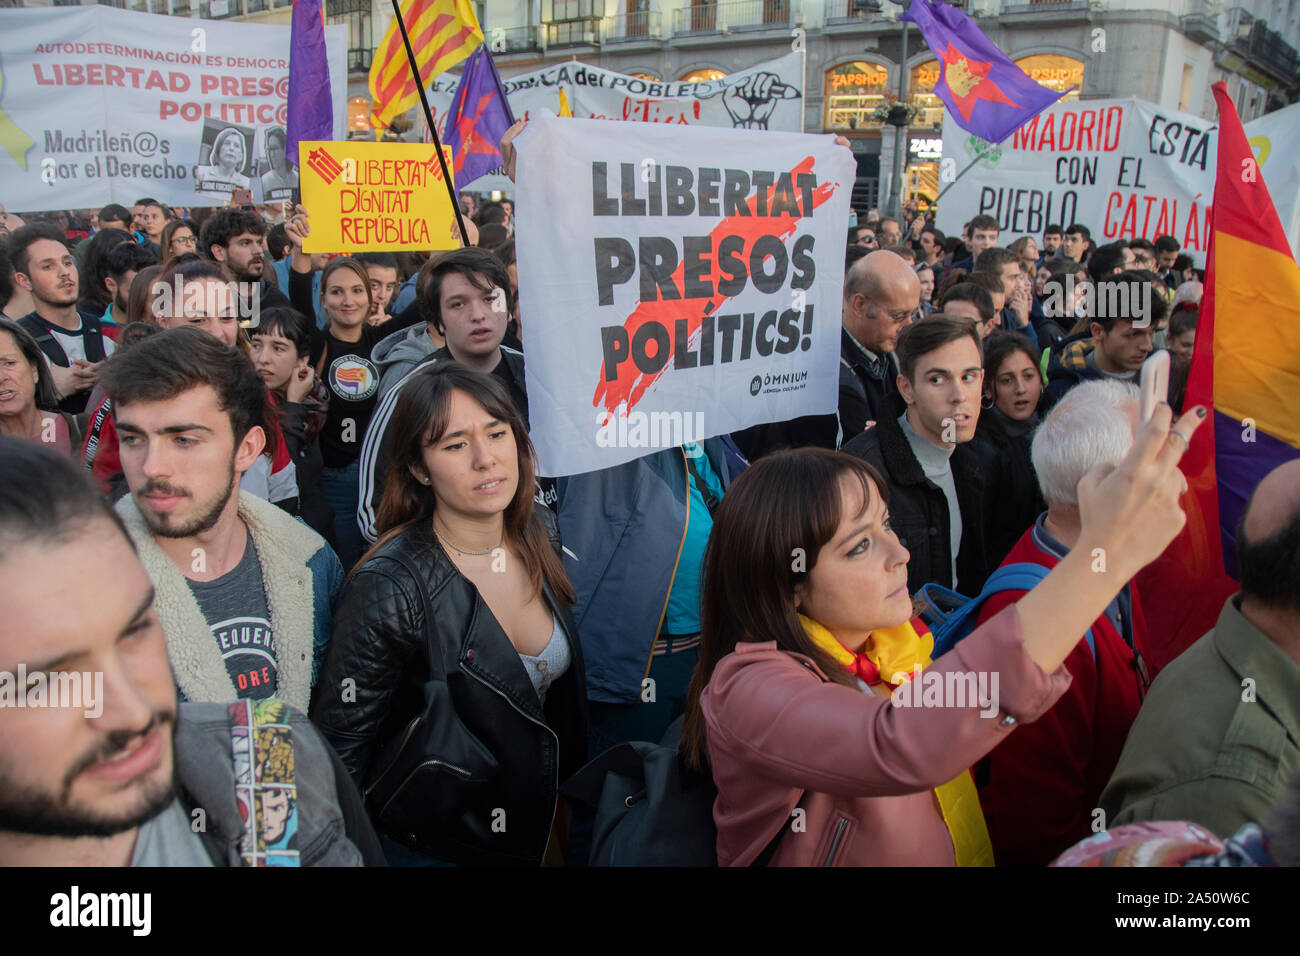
x: 359, y: 114
x: 355, y: 14
x: 703, y: 75
x: 1055, y: 72
x: 920, y: 87
x: 853, y: 92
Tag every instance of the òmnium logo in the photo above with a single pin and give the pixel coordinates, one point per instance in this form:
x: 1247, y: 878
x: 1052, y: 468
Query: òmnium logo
x: 784, y: 382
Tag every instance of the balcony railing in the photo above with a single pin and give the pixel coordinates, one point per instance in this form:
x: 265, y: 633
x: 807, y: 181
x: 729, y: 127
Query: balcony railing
x: 218, y: 9
x: 514, y: 40
x: 359, y: 59
x: 571, y: 32
x: 641, y: 25
x: 725, y: 17
x: 864, y: 11
x: 1252, y: 39
x: 1046, y: 6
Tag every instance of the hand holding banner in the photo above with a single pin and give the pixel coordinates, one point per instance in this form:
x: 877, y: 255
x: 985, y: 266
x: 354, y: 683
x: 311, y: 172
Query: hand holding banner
x: 689, y: 298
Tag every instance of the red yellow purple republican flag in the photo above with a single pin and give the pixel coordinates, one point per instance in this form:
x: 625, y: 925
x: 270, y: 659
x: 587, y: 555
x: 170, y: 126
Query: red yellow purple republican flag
x: 1246, y: 370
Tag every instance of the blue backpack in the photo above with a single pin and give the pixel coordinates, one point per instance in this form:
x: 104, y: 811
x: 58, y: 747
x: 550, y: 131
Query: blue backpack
x: 951, y: 616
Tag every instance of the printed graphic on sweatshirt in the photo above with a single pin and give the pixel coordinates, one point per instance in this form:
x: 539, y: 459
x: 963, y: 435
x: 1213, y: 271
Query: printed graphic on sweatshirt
x: 353, y: 378
x: 247, y: 647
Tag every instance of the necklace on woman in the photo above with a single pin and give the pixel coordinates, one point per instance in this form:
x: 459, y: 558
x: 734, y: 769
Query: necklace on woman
x: 455, y: 547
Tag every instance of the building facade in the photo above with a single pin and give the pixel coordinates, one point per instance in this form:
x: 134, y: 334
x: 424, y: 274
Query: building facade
x: 1166, y: 51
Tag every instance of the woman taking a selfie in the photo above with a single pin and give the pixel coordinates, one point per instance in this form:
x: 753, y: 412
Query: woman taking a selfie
x: 454, y: 688
x: 805, y: 631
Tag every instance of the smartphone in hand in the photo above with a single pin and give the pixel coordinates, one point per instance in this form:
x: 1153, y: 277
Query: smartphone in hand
x: 1153, y: 384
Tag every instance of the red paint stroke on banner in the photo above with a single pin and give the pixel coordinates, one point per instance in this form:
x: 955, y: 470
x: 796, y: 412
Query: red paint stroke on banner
x: 632, y: 384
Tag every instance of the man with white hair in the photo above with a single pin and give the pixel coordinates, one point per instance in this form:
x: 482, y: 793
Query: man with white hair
x: 1040, y: 786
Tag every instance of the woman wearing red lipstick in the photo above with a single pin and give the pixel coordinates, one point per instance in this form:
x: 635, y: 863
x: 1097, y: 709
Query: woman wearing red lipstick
x: 801, y: 699
x: 455, y: 692
x: 1013, y: 396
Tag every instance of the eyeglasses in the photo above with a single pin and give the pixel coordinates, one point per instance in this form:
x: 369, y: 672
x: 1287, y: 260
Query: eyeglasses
x: 186, y: 240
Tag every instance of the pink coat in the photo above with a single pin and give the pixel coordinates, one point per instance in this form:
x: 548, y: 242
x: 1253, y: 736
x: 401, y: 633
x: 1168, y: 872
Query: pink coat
x: 777, y: 727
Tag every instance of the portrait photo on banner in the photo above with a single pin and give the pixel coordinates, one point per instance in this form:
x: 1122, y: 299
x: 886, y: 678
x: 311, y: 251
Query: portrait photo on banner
x: 226, y: 158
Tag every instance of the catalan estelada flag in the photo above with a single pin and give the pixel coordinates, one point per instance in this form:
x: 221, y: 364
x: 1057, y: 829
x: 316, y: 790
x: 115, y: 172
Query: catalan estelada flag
x: 984, y: 91
x: 442, y: 32
x: 1246, y: 370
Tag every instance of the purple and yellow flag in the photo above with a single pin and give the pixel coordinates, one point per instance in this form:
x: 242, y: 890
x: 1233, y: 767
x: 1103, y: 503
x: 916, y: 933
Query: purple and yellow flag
x: 311, y: 112
x: 985, y: 92
x: 477, y: 119
x: 1246, y: 370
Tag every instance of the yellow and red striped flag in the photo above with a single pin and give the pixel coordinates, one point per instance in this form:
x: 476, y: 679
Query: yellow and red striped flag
x: 442, y: 32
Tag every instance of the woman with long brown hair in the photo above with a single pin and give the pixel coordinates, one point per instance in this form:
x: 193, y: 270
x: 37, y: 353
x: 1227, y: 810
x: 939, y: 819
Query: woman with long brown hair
x: 454, y: 689
x: 807, y: 643
x: 178, y: 237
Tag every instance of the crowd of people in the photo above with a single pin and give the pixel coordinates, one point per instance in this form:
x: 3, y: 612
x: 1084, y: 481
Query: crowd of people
x: 232, y: 471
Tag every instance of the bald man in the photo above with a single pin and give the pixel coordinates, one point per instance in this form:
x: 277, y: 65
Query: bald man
x: 881, y: 296
x: 1216, y: 739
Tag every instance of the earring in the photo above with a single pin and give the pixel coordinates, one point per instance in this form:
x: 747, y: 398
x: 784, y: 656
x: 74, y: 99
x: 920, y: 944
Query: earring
x: 986, y: 403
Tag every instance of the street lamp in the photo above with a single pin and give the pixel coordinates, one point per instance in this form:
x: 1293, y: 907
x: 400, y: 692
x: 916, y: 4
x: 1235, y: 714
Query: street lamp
x: 899, y: 114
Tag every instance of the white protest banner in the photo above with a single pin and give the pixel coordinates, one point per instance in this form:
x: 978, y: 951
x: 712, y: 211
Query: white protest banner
x: 766, y: 96
x: 104, y: 105
x: 1275, y: 138
x: 676, y: 283
x: 1124, y: 168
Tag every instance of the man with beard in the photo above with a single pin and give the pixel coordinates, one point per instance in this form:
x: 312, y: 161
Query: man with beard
x: 245, y: 592
x: 115, y: 778
x: 120, y: 267
x: 232, y: 238
x: 72, y: 341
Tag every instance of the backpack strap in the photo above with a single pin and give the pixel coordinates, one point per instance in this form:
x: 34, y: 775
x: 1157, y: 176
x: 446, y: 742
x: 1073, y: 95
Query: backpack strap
x: 44, y: 338
x: 1022, y: 576
x: 92, y: 337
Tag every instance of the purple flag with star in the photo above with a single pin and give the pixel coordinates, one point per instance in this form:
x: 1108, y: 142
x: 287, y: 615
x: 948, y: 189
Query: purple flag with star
x: 477, y: 119
x: 985, y: 92
x: 311, y: 111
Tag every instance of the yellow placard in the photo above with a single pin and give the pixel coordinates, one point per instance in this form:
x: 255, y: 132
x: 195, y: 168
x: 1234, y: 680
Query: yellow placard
x: 375, y: 197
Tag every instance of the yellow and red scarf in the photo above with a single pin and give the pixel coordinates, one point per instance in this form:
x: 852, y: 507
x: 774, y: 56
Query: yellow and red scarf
x: 905, y: 650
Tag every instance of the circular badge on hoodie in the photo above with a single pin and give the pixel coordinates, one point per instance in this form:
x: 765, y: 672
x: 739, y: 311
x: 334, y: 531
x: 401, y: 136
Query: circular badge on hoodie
x: 353, y: 378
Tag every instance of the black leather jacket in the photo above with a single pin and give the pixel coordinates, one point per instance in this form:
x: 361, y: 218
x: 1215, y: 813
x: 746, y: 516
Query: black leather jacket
x: 475, y: 783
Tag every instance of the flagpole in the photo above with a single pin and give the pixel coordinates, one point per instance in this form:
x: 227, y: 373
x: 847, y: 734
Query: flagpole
x: 433, y: 129
x: 945, y: 189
